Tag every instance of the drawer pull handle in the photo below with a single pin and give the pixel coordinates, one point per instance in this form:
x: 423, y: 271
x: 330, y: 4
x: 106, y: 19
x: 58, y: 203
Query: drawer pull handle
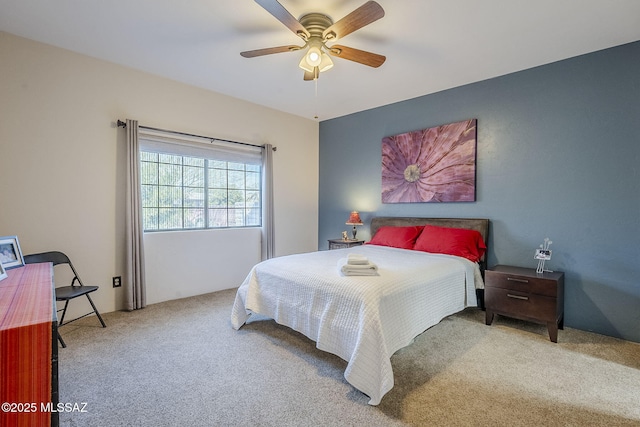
x: 518, y: 297
x: 513, y: 279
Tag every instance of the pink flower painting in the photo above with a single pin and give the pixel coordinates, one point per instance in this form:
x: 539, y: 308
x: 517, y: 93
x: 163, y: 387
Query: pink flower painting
x: 437, y: 164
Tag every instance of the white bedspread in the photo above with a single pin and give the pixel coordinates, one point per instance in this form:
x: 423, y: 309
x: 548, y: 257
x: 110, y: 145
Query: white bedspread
x: 362, y: 319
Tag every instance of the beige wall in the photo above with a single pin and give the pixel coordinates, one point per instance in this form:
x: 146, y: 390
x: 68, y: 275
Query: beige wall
x: 62, y: 181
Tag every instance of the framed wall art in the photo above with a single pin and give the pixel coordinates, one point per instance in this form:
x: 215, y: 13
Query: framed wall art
x: 10, y: 252
x: 436, y: 164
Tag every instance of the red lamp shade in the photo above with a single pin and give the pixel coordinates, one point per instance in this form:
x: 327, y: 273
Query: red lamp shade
x: 354, y: 219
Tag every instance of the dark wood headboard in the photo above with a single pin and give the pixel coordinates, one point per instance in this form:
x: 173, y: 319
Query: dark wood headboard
x: 478, y: 224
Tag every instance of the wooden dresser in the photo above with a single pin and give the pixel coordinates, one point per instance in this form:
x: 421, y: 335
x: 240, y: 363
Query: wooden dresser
x: 524, y: 294
x: 28, y: 347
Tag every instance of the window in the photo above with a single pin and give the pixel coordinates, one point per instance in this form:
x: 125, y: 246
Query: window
x: 197, y: 187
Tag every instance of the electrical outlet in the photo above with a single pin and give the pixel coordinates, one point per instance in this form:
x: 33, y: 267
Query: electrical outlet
x: 117, y: 281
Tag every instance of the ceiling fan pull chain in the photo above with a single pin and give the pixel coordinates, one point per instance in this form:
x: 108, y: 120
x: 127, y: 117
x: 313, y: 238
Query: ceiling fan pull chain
x: 316, y: 98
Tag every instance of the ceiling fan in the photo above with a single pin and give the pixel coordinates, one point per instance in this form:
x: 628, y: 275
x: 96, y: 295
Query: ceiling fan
x: 317, y: 29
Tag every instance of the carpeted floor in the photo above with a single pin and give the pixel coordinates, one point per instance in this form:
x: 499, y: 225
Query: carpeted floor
x: 181, y: 363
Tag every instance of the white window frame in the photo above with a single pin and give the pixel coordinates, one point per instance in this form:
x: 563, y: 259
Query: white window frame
x: 214, y: 155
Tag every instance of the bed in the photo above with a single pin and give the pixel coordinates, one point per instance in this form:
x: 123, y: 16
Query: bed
x: 366, y: 319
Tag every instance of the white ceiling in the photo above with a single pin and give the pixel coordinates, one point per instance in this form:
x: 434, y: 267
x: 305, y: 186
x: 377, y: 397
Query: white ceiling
x: 430, y: 45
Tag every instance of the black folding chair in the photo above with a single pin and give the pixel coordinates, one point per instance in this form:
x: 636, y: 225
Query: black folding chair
x: 66, y: 293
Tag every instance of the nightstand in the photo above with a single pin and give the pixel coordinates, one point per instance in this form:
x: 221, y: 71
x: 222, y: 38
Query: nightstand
x: 524, y: 294
x: 340, y: 243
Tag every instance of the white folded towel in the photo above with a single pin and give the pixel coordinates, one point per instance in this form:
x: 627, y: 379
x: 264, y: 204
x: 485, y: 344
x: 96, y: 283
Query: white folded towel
x: 357, y: 259
x: 346, y: 269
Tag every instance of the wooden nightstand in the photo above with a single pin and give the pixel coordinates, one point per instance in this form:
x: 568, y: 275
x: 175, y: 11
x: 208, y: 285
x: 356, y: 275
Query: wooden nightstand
x: 339, y: 243
x: 524, y: 294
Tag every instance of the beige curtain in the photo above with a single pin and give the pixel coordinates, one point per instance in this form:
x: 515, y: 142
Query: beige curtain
x: 135, y: 284
x: 268, y: 235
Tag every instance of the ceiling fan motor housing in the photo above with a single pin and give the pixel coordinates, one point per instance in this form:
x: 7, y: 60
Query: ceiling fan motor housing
x: 316, y: 23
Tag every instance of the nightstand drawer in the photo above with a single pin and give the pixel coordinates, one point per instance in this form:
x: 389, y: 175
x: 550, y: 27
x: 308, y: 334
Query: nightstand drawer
x: 526, y: 284
x: 521, y: 304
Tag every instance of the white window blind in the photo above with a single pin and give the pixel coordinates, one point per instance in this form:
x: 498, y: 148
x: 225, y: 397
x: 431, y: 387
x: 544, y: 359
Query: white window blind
x: 156, y: 141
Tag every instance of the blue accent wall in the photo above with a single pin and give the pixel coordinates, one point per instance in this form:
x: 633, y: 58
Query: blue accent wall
x: 558, y: 156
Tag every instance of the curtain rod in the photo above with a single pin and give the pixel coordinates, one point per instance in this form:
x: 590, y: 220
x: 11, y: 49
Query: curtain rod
x: 122, y: 124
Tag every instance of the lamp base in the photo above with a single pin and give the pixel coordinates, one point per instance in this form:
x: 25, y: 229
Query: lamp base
x: 354, y: 232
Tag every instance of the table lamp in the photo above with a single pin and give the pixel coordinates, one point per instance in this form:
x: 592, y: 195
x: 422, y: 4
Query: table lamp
x: 354, y: 219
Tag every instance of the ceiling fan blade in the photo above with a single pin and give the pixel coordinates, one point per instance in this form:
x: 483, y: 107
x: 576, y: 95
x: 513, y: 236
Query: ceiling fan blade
x: 283, y: 15
x: 364, y: 15
x: 357, y: 55
x: 269, y: 51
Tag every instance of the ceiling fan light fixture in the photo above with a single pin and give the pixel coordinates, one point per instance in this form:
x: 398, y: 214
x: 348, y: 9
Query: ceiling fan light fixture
x: 312, y: 58
x: 305, y: 65
x: 314, y: 55
x: 325, y: 63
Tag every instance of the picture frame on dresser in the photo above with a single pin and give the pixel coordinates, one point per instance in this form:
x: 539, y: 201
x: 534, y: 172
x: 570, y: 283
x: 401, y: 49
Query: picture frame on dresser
x: 3, y: 272
x: 10, y: 252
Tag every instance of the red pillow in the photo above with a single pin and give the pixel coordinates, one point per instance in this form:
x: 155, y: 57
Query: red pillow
x: 451, y: 241
x: 396, y: 237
